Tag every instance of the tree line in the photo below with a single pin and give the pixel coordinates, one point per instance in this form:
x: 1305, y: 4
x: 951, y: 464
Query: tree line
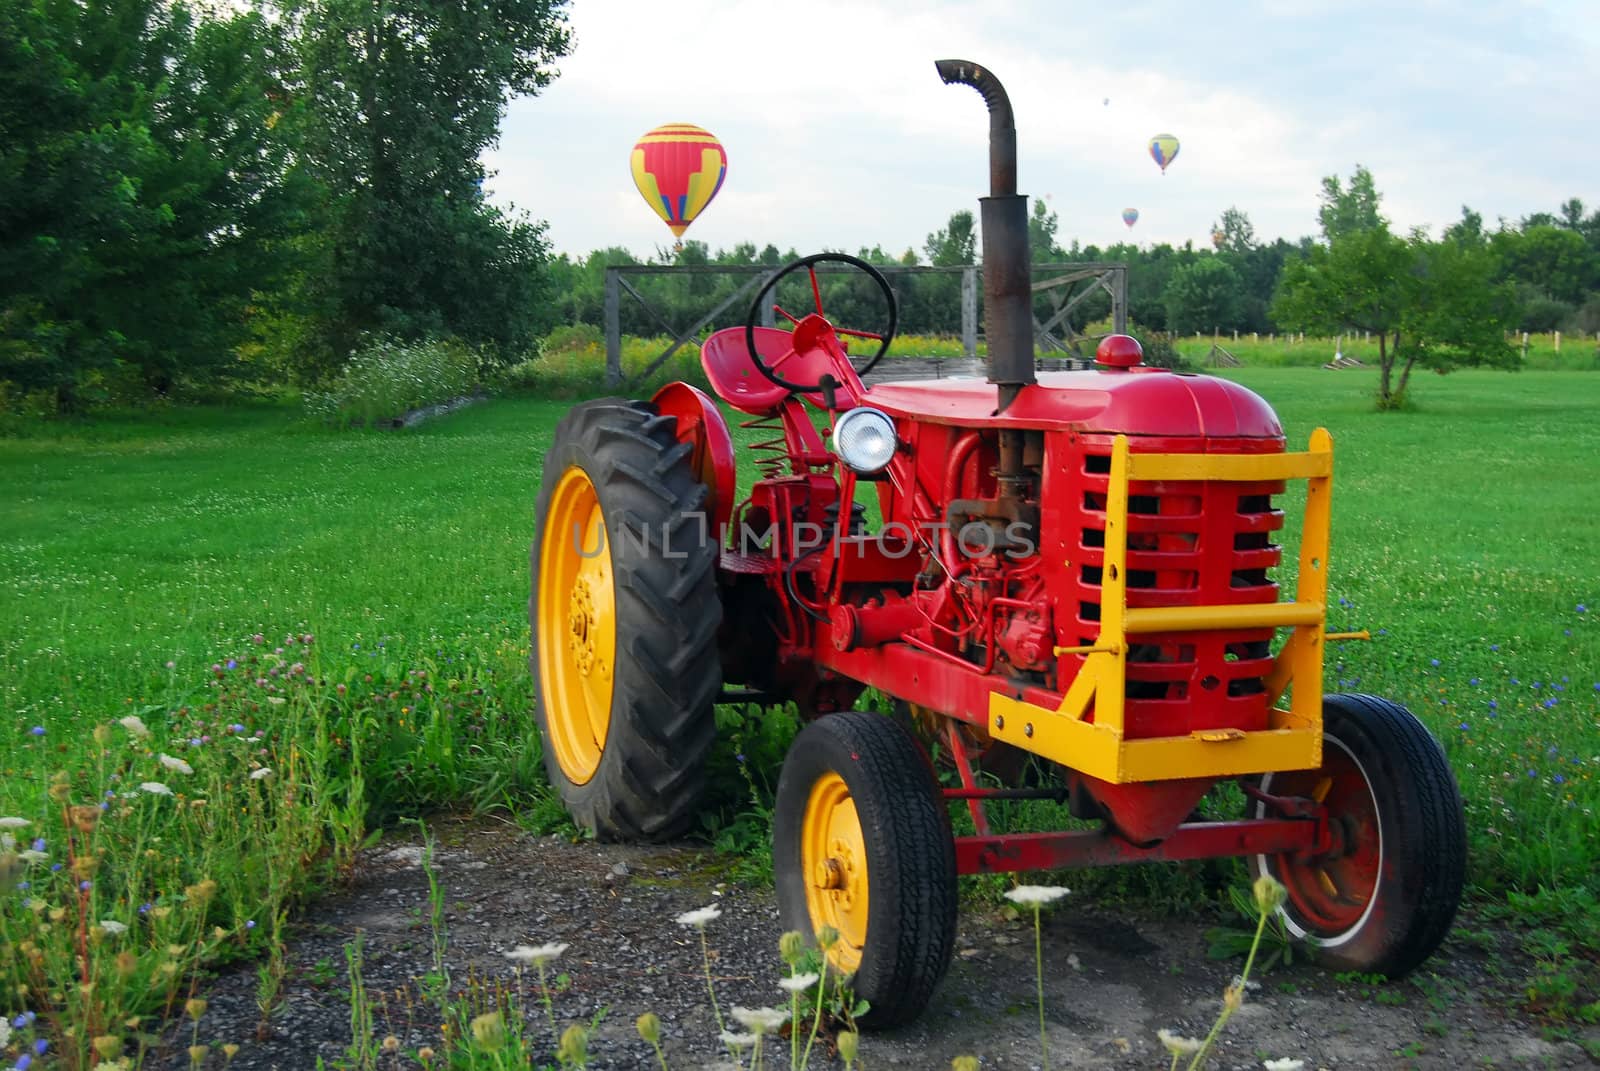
x: 196, y: 197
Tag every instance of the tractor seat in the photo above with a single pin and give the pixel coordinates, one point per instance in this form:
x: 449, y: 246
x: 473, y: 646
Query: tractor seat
x: 735, y: 377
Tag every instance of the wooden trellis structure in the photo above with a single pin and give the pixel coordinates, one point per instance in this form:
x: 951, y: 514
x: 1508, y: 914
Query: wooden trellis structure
x: 1068, y: 285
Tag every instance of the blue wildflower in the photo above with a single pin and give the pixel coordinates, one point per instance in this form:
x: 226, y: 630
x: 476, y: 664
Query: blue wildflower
x: 1558, y: 779
x: 1465, y: 726
x: 1548, y: 703
x: 37, y: 730
x: 1582, y: 609
x: 1433, y: 661
x: 38, y: 844
x: 24, y: 1062
x: 1494, y: 647
x: 1473, y: 681
x: 233, y: 663
x: 1532, y: 772
x: 40, y: 1046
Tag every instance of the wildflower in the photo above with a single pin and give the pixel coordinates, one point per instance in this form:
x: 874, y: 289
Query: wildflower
x: 537, y: 954
x: 135, y: 725
x: 736, y: 1041
x: 761, y: 1020
x: 827, y: 937
x: 5, y: 1033
x: 791, y: 946
x: 1177, y: 1044
x: 112, y: 926
x: 276, y: 700
x: 649, y: 1027
x: 848, y: 1043
x: 1283, y: 1065
x: 699, y: 916
x: 963, y: 1063
x: 261, y: 774
x: 798, y: 983
x: 195, y: 1007
x: 14, y: 823
x: 155, y: 788
x: 391, y: 1044
x: 574, y: 1048
x: 109, y: 1046
x: 1269, y: 893
x: 172, y: 763
x: 1036, y: 894
x: 232, y: 664
x: 37, y: 730
x: 489, y: 1030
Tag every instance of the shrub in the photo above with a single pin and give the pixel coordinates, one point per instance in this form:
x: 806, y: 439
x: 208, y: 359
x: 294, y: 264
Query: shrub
x: 386, y: 377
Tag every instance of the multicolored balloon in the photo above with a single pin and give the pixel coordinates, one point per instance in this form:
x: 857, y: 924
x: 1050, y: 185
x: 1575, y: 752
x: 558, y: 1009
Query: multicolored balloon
x: 1130, y: 216
x: 1163, y: 150
x: 679, y: 168
x: 1217, y: 238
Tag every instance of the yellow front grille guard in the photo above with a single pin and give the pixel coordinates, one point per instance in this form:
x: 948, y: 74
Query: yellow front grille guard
x: 1293, y: 738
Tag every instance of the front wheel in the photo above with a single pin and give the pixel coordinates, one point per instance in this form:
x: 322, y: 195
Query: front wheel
x: 862, y: 844
x: 1384, y: 897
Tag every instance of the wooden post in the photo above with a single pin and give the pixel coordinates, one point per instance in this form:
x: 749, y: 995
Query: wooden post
x: 969, y: 311
x: 613, y: 317
x: 1524, y: 345
x: 1255, y: 336
x: 1558, y: 341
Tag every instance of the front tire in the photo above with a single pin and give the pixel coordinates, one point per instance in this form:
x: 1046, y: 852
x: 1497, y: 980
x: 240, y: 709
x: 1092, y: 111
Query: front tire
x: 862, y: 844
x: 623, y: 614
x: 1384, y: 899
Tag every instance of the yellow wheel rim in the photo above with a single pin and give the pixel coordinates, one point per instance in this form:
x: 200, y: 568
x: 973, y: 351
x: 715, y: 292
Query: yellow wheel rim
x: 833, y: 857
x: 577, y: 627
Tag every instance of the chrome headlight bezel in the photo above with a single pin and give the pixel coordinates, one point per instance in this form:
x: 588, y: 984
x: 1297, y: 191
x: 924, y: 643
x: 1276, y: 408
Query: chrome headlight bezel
x: 865, y: 440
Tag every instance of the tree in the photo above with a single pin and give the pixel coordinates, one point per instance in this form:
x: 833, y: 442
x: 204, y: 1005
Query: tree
x: 396, y: 101
x: 1430, y: 303
x: 1347, y: 210
x: 144, y: 198
x: 1204, y: 296
x: 955, y: 243
x: 1042, y: 227
x: 1238, y: 235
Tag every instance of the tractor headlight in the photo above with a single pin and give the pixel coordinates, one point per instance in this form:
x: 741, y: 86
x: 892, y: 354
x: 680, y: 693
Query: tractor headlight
x: 864, y: 439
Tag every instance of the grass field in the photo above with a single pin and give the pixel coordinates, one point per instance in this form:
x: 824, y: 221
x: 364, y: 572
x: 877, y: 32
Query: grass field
x: 347, y: 610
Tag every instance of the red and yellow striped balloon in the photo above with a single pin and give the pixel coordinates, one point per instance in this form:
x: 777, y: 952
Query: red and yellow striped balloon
x: 679, y: 168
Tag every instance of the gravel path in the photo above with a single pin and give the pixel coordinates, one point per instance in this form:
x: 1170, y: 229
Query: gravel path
x: 1111, y: 980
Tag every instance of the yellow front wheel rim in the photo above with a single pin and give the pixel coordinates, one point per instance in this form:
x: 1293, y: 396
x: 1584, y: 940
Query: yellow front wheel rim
x: 833, y: 858
x: 577, y: 626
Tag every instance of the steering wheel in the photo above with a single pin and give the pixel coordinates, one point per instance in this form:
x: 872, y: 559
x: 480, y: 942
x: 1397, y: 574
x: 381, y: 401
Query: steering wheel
x: 808, y: 264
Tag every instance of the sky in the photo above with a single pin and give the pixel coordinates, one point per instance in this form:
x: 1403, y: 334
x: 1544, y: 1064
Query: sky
x: 840, y: 135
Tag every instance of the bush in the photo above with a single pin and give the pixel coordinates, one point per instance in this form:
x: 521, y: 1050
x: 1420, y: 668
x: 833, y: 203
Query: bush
x: 386, y: 377
x: 1542, y: 313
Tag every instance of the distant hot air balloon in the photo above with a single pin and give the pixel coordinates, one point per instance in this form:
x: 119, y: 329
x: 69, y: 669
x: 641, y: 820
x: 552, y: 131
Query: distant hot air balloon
x: 1163, y: 150
x: 679, y: 168
x: 1106, y: 103
x: 1130, y: 216
x: 1217, y: 238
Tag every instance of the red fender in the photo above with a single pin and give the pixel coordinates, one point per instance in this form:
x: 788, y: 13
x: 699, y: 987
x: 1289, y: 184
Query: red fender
x: 700, y: 424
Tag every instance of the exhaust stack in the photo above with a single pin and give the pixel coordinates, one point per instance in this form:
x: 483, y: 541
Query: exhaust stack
x: 1007, y: 272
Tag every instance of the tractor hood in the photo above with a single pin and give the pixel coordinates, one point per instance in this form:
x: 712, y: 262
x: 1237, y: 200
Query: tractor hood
x: 1138, y: 401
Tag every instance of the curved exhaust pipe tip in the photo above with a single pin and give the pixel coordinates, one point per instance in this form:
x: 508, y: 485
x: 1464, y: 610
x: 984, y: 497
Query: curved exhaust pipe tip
x: 1002, y: 124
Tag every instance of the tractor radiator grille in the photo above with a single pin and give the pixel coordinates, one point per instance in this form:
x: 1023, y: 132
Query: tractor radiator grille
x: 1190, y: 543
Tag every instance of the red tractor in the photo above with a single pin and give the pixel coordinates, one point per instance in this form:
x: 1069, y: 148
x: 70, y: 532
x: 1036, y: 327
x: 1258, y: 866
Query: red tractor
x: 1068, y: 592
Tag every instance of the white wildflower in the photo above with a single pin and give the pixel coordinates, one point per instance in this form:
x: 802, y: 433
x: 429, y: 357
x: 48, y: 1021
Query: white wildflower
x: 155, y: 788
x: 699, y: 916
x: 261, y: 774
x: 33, y: 856
x: 5, y: 1033
x: 761, y: 1020
x: 536, y: 953
x: 135, y: 725
x: 1036, y: 894
x: 736, y: 1041
x: 1285, y: 1064
x: 276, y: 700
x: 1177, y: 1044
x: 173, y: 763
x: 112, y: 926
x: 23, y: 823
x: 798, y: 983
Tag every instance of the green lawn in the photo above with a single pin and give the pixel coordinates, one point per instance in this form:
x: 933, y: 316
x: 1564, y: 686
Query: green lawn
x: 156, y: 565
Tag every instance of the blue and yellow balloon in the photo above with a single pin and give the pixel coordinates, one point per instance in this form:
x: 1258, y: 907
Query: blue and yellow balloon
x: 1130, y: 216
x: 1163, y: 150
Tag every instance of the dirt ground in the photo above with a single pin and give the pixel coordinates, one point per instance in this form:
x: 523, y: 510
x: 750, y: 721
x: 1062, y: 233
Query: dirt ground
x: 1111, y: 981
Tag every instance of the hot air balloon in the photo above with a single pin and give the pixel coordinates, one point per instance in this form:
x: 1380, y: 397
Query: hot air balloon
x: 679, y: 168
x: 1217, y: 238
x: 1163, y: 150
x: 1130, y: 216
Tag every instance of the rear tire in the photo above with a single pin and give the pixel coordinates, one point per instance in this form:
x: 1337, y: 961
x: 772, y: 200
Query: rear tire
x: 623, y: 613
x: 862, y: 843
x: 1385, y: 898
